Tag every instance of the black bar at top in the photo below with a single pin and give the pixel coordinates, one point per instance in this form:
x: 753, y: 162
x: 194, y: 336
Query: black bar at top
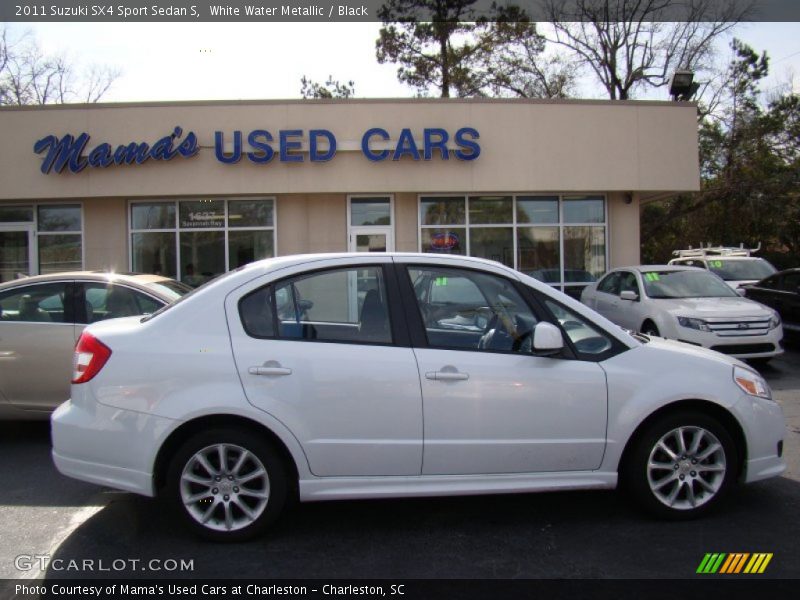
x: 268, y: 11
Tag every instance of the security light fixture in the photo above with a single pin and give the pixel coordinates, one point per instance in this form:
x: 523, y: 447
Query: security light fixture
x: 681, y: 86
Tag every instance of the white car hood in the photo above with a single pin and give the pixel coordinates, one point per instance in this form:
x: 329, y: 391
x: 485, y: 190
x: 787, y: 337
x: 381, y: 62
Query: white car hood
x: 696, y: 351
x: 713, y: 307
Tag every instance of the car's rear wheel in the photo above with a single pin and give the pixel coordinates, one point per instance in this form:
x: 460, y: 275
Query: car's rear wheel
x: 682, y: 466
x: 227, y: 485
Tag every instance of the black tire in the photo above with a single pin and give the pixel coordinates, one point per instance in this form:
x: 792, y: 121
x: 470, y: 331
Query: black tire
x: 639, y: 479
x: 231, y: 492
x: 649, y: 328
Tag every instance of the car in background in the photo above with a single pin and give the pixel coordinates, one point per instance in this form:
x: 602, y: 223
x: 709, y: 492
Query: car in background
x: 689, y: 305
x: 450, y: 375
x: 781, y: 292
x: 736, y: 266
x: 41, y: 318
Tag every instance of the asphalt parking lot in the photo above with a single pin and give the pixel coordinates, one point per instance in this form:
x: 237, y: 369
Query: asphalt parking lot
x: 557, y: 535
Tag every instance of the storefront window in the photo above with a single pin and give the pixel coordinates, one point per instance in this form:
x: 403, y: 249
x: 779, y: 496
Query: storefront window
x: 59, y: 238
x: 53, y: 232
x: 196, y: 240
x: 560, y: 240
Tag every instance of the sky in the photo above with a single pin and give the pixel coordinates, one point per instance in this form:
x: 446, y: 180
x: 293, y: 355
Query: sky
x: 225, y: 61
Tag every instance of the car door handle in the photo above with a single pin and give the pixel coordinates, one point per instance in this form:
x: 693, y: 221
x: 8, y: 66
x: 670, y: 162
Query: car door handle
x: 446, y: 376
x: 270, y: 368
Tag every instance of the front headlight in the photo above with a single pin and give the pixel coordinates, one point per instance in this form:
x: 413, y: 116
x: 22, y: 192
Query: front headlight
x: 751, y: 383
x: 775, y: 321
x: 692, y: 323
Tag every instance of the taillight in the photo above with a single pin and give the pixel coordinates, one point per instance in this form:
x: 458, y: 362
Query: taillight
x: 90, y: 356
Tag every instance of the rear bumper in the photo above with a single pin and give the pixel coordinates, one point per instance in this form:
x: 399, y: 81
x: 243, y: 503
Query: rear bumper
x: 107, y: 446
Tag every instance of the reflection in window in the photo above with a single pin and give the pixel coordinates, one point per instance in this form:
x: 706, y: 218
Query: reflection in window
x: 210, y: 236
x: 560, y: 240
x: 344, y: 305
x: 58, y: 249
x: 472, y: 310
x: 370, y: 211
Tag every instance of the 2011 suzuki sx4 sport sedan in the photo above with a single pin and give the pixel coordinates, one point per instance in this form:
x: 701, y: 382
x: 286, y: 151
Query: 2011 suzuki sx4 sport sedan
x: 329, y: 377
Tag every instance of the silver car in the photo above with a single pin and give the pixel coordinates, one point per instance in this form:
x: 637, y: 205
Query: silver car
x: 41, y: 317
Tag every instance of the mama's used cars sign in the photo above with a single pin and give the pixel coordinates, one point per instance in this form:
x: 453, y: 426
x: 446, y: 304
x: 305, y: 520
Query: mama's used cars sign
x: 288, y: 145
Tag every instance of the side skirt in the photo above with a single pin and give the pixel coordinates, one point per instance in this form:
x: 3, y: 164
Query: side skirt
x: 350, y: 488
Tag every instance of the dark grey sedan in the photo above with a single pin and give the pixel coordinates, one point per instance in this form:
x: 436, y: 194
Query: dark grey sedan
x: 780, y: 291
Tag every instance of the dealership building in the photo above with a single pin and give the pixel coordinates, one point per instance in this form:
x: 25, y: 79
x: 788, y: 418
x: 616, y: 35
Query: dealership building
x: 194, y: 189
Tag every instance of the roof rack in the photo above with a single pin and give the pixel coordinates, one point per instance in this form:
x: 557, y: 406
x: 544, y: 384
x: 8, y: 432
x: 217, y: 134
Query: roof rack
x: 716, y: 251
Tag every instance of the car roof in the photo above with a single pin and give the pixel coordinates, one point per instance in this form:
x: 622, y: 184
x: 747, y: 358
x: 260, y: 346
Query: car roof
x: 141, y: 279
x: 719, y: 257
x: 650, y: 268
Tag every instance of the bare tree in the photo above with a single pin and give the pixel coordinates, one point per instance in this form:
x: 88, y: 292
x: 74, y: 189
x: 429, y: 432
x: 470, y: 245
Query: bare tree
x: 633, y: 44
x: 28, y: 76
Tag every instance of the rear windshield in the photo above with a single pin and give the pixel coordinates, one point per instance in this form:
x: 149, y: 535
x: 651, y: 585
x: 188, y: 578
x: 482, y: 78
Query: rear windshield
x: 685, y: 284
x: 737, y: 270
x: 169, y: 288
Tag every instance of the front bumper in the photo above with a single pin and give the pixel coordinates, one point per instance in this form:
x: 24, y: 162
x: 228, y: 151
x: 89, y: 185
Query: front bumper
x: 744, y: 346
x: 108, y: 446
x: 764, y: 428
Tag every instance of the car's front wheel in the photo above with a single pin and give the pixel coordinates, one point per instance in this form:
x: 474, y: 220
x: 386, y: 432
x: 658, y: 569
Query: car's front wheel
x: 682, y: 466
x: 228, y: 485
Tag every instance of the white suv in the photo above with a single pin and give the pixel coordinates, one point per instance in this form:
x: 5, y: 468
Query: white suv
x: 734, y: 265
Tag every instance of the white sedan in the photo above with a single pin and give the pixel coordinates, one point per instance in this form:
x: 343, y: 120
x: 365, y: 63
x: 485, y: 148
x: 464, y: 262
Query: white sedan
x: 687, y: 304
x: 329, y: 377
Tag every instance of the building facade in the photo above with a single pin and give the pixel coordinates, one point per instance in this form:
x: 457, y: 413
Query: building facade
x: 191, y: 190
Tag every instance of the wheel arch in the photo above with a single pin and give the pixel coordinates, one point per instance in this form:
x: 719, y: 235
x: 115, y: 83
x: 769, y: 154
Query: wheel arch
x: 725, y: 417
x: 189, y: 428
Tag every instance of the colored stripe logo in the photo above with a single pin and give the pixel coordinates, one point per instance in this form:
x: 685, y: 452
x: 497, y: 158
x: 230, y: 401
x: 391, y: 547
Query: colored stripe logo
x: 734, y: 563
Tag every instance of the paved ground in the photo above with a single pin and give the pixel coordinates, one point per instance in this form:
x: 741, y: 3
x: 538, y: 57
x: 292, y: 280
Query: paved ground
x: 565, y: 535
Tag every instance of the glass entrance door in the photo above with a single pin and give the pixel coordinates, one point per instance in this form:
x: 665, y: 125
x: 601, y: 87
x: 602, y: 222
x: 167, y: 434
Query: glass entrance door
x: 16, y: 251
x: 369, y: 240
x: 370, y: 225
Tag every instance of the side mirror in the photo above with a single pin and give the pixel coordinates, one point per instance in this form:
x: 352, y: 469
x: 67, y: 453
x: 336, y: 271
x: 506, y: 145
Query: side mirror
x: 547, y: 339
x: 629, y: 295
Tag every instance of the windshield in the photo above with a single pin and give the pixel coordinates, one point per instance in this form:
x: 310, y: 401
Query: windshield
x: 737, y: 270
x: 171, y: 290
x: 685, y: 284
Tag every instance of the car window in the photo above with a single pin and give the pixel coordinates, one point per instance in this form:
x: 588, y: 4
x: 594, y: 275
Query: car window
x: 342, y: 305
x: 685, y: 284
x: 587, y: 339
x: 628, y: 283
x: 691, y: 263
x: 471, y: 310
x: 791, y: 282
x: 772, y: 283
x: 104, y: 301
x: 737, y: 270
x: 610, y: 284
x: 42, y: 303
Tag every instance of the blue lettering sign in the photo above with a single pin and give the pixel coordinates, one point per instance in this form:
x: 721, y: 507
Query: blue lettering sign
x: 469, y: 144
x: 432, y: 144
x: 313, y: 150
x: 287, y: 145
x: 219, y: 148
x: 68, y: 152
x: 406, y: 145
x: 371, y: 155
x: 263, y: 151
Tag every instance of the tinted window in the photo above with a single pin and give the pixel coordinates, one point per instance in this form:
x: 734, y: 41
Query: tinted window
x: 476, y: 311
x: 35, y: 303
x: 628, y: 283
x: 610, y: 284
x: 736, y: 270
x: 108, y: 301
x: 344, y: 305
x: 685, y: 284
x: 585, y: 337
x: 791, y: 282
